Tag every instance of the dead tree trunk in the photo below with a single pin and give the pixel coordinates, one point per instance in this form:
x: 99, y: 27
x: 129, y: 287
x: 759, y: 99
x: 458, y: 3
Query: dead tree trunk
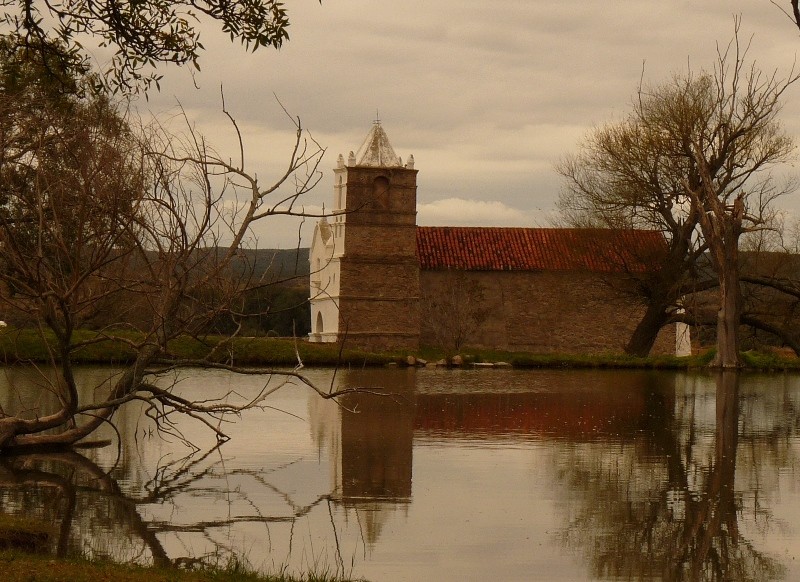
x: 722, y: 229
x: 729, y: 314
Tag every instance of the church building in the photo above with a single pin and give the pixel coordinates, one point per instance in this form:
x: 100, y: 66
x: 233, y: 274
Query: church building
x: 378, y: 281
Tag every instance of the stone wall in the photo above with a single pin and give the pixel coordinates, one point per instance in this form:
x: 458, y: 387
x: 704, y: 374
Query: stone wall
x: 381, y: 241
x: 379, y: 303
x: 548, y: 312
x: 379, y: 279
x: 379, y: 324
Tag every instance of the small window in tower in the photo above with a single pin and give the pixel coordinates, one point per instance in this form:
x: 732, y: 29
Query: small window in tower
x: 318, y: 328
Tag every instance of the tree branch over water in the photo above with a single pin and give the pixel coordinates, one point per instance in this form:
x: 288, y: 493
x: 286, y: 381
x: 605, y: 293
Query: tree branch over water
x: 138, y: 232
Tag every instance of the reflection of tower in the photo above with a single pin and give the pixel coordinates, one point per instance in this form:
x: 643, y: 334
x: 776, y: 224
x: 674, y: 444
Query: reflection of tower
x: 364, y: 268
x: 376, y: 445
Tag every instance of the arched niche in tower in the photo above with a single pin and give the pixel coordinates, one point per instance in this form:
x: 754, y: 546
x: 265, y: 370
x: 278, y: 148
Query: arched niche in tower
x: 318, y: 327
x: 380, y: 193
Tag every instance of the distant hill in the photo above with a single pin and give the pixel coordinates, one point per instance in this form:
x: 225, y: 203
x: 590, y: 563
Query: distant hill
x: 290, y: 265
x: 281, y: 309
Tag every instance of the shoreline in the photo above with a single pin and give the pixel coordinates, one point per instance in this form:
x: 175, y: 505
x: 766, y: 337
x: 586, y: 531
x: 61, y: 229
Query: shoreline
x: 26, y: 346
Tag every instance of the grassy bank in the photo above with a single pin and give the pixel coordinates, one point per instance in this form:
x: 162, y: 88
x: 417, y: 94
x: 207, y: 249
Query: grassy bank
x: 18, y: 566
x: 26, y: 346
x: 25, y: 544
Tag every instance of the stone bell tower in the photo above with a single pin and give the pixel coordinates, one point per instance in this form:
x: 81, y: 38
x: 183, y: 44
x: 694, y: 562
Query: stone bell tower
x: 364, y: 267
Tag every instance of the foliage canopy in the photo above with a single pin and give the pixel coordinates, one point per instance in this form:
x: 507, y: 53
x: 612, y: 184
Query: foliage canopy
x: 142, y: 34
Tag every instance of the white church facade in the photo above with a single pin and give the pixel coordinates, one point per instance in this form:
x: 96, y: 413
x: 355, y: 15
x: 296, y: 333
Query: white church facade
x: 374, y: 272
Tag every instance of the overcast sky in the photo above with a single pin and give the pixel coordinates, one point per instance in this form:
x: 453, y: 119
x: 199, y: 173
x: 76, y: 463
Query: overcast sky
x: 485, y: 95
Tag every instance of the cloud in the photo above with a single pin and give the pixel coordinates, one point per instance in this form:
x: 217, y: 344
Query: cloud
x: 462, y: 212
x: 283, y: 232
x: 486, y: 97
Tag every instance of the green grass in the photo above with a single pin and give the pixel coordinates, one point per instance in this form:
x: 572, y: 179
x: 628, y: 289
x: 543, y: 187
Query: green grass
x: 25, y: 543
x: 19, y: 566
x: 769, y: 361
x: 608, y: 360
x: 26, y: 345
x: 25, y: 534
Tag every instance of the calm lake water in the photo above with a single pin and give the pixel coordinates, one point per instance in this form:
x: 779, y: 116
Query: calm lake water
x: 449, y: 475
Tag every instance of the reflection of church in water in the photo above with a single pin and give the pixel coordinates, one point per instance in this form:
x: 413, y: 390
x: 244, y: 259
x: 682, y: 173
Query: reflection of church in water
x: 373, y: 448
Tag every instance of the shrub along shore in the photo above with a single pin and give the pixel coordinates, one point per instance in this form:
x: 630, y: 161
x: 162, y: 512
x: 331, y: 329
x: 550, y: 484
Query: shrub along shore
x: 22, y: 345
x: 20, y: 566
x: 24, y: 557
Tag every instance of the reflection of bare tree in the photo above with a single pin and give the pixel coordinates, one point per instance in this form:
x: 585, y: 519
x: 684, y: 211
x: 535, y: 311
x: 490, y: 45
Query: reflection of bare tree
x: 664, y: 505
x: 92, y: 516
x: 70, y: 491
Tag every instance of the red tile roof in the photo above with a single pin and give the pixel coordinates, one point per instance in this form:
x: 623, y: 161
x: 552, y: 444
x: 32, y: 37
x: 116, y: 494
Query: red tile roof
x: 534, y: 249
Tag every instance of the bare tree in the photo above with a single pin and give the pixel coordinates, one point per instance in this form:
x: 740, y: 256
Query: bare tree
x: 693, y: 159
x: 626, y: 175
x: 455, y: 311
x: 730, y: 132
x: 99, y: 212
